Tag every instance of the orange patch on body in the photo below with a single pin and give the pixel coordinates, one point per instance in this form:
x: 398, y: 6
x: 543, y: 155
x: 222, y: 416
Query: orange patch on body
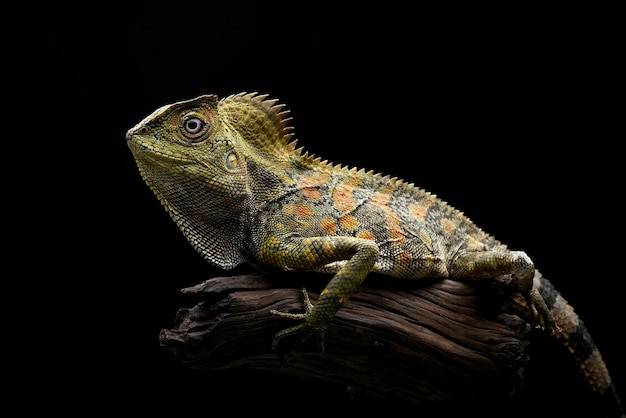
x: 365, y: 235
x: 403, y: 261
x: 448, y: 226
x: 328, y: 226
x: 310, y: 185
x: 304, y: 211
x: 311, y: 193
x: 418, y: 211
x: 404, y: 258
x: 348, y: 222
x: 474, y: 244
x: 342, y: 197
x: 396, y: 232
x: 381, y: 199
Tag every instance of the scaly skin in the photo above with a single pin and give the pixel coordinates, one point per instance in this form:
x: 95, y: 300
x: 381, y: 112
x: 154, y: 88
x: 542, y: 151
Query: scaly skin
x: 229, y: 174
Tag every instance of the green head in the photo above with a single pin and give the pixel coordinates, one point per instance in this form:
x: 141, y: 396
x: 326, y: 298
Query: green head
x: 188, y: 140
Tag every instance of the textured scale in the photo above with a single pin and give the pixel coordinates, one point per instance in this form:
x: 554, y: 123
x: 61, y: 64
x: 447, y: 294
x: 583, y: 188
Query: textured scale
x: 231, y: 176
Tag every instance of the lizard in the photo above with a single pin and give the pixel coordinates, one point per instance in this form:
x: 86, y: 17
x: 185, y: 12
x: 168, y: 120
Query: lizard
x: 230, y: 174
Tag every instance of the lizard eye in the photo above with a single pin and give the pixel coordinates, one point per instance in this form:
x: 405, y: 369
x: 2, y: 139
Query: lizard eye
x: 194, y: 125
x: 195, y: 128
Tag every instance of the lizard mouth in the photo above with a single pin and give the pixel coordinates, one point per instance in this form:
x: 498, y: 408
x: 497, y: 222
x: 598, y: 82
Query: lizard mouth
x: 140, y: 147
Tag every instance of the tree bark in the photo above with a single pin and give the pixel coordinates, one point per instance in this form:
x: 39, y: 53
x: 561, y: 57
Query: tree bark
x: 409, y: 341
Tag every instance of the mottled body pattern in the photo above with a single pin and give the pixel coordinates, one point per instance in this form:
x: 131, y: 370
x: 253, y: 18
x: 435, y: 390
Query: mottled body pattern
x: 229, y: 174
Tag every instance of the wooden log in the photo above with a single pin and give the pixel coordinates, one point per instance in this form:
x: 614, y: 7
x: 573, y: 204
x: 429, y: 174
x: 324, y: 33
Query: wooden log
x: 411, y: 341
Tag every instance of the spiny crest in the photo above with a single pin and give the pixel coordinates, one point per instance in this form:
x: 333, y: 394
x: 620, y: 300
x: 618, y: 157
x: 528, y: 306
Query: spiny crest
x: 263, y: 123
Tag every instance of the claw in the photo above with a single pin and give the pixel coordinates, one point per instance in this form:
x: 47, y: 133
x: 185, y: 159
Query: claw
x: 303, y: 331
x: 308, y: 307
x: 281, y: 334
x: 540, y: 310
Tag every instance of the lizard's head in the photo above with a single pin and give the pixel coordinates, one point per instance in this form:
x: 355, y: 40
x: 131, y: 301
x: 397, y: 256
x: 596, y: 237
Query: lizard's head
x: 188, y: 140
x: 188, y: 157
x: 208, y: 161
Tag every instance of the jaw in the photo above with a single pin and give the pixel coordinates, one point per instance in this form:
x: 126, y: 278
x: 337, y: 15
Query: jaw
x: 144, y: 149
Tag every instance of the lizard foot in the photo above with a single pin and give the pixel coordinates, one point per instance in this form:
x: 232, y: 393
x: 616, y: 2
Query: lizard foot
x: 303, y: 331
x: 532, y: 307
x: 523, y: 276
x: 540, y: 311
x: 526, y: 300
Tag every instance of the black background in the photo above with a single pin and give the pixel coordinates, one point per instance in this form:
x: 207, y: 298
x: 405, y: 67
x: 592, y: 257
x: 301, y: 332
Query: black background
x: 506, y: 113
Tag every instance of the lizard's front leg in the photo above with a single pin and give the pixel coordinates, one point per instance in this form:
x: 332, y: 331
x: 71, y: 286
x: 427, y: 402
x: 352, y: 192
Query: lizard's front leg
x: 359, y: 256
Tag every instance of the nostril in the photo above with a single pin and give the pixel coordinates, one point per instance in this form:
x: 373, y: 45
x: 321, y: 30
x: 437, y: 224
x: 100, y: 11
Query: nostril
x: 144, y: 130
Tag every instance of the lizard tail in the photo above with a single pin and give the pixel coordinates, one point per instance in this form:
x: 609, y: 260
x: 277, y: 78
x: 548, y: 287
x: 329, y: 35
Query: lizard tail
x: 572, y: 333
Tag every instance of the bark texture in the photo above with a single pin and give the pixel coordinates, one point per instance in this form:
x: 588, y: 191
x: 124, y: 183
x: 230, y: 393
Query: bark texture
x: 415, y: 342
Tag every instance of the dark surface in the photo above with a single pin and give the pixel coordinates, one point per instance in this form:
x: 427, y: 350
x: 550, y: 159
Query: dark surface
x: 398, y: 343
x: 507, y: 114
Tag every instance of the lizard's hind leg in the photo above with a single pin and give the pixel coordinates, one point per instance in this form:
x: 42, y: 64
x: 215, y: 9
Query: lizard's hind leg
x: 478, y: 265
